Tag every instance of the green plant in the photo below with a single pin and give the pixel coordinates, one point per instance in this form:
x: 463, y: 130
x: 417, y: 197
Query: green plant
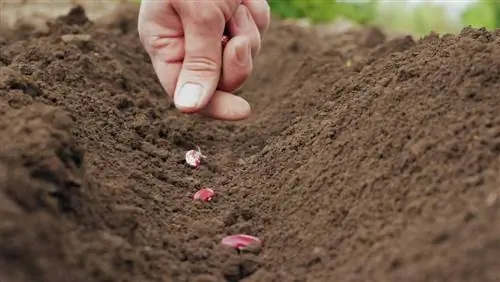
x: 483, y: 13
x: 363, y: 13
x: 479, y: 14
x: 324, y: 10
x: 316, y: 10
x: 418, y: 20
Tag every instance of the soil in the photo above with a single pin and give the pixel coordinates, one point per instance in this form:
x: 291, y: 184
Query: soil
x: 365, y: 159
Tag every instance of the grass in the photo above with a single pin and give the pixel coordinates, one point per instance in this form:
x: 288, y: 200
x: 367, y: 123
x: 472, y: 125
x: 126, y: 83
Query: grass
x: 396, y: 16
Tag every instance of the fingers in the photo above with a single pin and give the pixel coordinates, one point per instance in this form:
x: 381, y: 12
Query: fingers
x: 226, y: 106
x: 201, y: 66
x: 237, y: 64
x: 166, y: 55
x: 183, y: 40
x: 167, y: 74
x: 261, y: 13
x: 160, y: 31
x: 223, y: 105
x: 242, y: 24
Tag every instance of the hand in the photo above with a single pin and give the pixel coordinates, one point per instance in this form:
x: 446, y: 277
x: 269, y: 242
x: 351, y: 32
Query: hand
x: 183, y: 40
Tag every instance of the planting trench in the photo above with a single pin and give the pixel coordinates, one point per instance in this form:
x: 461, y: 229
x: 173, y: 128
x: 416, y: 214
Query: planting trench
x: 366, y: 159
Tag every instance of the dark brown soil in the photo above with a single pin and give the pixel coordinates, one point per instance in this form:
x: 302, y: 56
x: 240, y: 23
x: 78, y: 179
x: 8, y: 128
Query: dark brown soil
x: 364, y: 160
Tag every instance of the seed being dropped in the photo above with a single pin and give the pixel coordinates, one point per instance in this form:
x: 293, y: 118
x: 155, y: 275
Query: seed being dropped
x: 224, y: 41
x: 193, y: 157
x: 204, y: 195
x: 241, y: 241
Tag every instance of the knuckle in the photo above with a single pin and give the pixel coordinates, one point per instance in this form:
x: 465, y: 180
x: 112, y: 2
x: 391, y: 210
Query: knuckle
x: 168, y: 49
x: 246, y: 72
x: 201, y: 64
x: 144, y: 37
x: 210, y: 13
x: 158, y: 43
x: 149, y: 43
x: 228, y: 7
x: 241, y: 72
x: 207, y: 17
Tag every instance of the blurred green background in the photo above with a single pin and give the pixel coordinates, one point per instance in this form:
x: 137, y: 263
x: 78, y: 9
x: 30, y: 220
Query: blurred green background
x: 416, y: 17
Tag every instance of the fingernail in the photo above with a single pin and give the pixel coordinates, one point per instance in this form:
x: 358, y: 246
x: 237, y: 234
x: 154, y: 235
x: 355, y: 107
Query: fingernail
x: 243, y: 53
x: 189, y: 95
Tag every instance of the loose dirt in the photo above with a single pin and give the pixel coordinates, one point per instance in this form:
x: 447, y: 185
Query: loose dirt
x: 365, y: 160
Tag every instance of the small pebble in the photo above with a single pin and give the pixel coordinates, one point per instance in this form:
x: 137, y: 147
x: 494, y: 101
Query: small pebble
x: 76, y: 37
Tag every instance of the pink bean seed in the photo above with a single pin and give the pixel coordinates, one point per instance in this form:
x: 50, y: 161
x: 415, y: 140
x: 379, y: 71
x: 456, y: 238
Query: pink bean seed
x: 240, y: 241
x: 194, y: 157
x: 224, y: 41
x: 204, y: 195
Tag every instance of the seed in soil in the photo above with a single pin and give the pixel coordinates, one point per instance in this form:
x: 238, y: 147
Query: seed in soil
x: 204, y: 195
x: 241, y: 241
x: 194, y: 157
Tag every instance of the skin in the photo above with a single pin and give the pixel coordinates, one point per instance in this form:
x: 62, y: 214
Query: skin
x: 183, y: 40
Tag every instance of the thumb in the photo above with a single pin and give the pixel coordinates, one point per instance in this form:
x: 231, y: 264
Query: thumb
x: 201, y: 67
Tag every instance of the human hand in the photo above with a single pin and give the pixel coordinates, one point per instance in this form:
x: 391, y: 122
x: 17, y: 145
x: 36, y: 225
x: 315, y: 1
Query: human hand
x: 183, y: 40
